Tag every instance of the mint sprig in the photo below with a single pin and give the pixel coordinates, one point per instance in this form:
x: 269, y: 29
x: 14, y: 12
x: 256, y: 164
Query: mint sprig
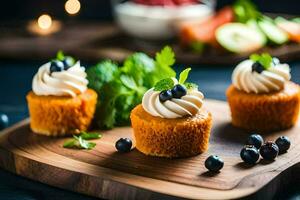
x: 264, y: 59
x: 90, y: 136
x: 80, y: 141
x: 60, y: 56
x: 168, y: 83
x: 164, y: 84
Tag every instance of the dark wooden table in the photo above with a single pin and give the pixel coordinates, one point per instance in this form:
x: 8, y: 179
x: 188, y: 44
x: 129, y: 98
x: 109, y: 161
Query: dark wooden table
x: 15, y: 82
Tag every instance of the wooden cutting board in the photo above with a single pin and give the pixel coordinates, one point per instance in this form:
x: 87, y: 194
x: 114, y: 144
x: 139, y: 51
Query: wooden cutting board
x: 103, y: 172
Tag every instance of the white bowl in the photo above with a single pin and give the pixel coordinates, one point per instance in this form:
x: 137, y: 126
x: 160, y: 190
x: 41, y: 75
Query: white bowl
x: 157, y: 22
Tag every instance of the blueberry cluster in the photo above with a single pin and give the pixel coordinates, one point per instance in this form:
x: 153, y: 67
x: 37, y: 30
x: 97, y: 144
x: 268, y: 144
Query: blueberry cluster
x: 255, y: 147
x: 58, y: 65
x: 177, y: 91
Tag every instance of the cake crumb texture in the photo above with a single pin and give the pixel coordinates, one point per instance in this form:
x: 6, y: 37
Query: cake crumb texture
x: 58, y: 116
x: 265, y: 112
x: 180, y: 137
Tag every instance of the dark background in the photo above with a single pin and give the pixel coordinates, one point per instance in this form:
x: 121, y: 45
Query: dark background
x: 14, y: 10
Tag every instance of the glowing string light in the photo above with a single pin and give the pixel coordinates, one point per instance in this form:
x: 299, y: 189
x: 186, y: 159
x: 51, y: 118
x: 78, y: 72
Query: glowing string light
x: 44, y: 21
x: 72, y: 7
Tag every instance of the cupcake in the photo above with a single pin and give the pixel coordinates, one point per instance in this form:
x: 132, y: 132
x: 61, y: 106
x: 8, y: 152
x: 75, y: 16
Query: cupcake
x: 60, y: 102
x: 171, y: 121
x: 262, y: 97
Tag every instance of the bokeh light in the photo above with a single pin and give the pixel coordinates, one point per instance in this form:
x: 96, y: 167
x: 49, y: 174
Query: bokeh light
x: 44, y: 21
x: 72, y: 7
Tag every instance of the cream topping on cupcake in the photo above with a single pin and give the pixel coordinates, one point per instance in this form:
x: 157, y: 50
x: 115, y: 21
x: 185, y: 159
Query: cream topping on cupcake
x: 69, y: 82
x: 270, y: 79
x: 175, y: 100
x: 175, y: 107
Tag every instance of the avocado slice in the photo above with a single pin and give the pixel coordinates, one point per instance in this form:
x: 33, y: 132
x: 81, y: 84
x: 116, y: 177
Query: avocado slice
x: 239, y: 38
x: 273, y: 33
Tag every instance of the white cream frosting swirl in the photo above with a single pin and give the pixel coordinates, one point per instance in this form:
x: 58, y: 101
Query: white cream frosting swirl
x: 70, y: 82
x: 272, y: 79
x: 187, y: 105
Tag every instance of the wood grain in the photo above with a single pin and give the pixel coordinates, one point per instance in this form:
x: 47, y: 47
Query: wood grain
x: 96, y: 41
x: 103, y: 172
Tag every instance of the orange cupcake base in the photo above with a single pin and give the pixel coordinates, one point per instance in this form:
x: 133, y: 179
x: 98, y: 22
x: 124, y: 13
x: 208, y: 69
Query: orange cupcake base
x: 264, y: 112
x: 182, y: 137
x: 58, y: 116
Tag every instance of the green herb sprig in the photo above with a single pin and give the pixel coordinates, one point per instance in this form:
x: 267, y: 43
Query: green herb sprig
x: 168, y: 83
x: 60, y: 56
x: 121, y: 87
x: 80, y: 141
x: 264, y: 59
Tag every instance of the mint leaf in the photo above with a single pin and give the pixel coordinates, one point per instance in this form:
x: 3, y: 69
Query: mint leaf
x: 264, y: 59
x: 85, y: 144
x: 184, y: 75
x: 80, y: 143
x: 90, y: 136
x: 166, y: 57
x: 69, y: 143
x: 164, y: 84
x: 191, y: 86
x: 60, y: 55
x: 91, y: 145
x: 255, y: 57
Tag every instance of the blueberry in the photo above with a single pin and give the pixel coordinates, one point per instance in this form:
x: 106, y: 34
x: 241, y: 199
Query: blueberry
x: 269, y: 151
x: 178, y: 91
x: 123, y: 145
x: 255, y: 140
x: 68, y: 62
x: 249, y: 154
x: 283, y: 144
x: 275, y: 61
x: 3, y: 121
x: 257, y: 67
x: 165, y: 95
x: 214, y: 163
x: 56, y: 66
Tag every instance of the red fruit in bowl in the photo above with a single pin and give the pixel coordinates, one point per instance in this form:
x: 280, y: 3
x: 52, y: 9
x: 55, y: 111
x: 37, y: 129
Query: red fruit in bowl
x: 185, y: 2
